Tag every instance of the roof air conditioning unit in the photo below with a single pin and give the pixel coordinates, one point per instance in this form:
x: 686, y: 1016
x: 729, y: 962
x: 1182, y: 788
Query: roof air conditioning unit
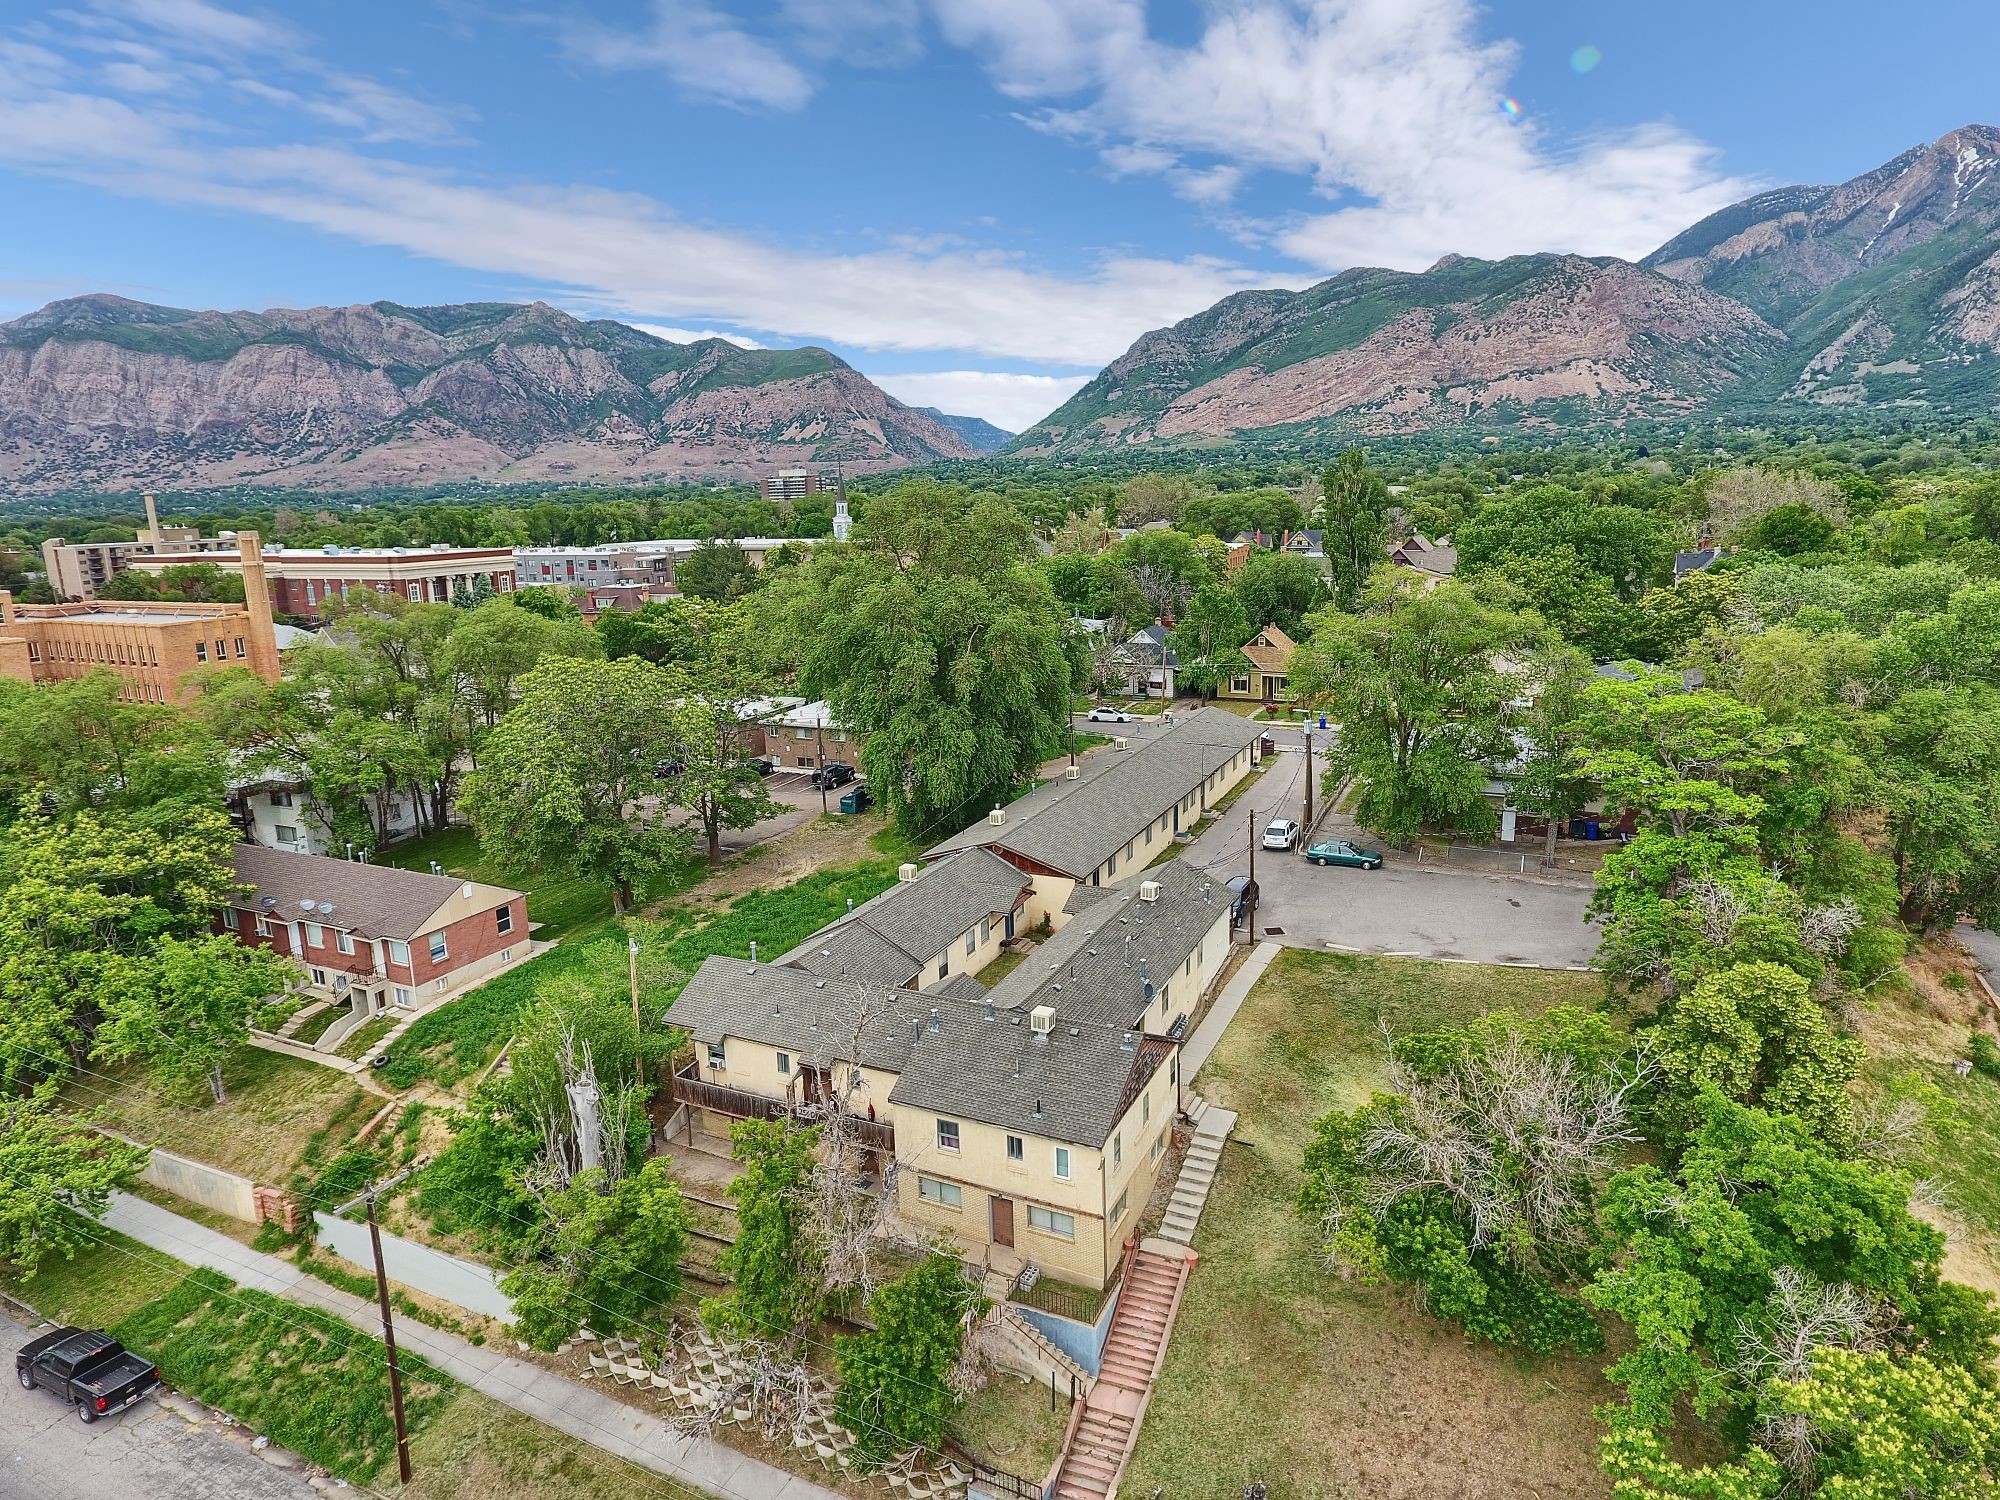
x: 1120, y: 743
x: 906, y: 873
x: 1042, y: 1020
x: 997, y: 816
x: 1149, y: 890
x: 1070, y: 773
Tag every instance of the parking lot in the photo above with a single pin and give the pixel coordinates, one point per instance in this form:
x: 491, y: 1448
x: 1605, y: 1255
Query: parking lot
x: 1400, y: 910
x: 147, y: 1453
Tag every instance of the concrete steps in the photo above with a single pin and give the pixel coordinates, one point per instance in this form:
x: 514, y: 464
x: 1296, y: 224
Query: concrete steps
x: 1198, y: 1169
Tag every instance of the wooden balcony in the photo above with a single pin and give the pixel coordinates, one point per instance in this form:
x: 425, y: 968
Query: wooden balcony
x: 747, y: 1104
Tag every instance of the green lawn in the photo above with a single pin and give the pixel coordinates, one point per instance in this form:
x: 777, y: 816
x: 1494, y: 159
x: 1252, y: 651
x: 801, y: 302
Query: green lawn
x: 1281, y: 1372
x: 1012, y: 1426
x: 477, y: 1449
x: 316, y: 1026
x: 560, y: 905
x: 366, y: 1035
x: 275, y: 1106
x: 100, y: 1286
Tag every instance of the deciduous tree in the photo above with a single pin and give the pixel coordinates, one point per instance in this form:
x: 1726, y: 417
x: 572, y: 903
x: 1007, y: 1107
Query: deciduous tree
x: 56, y: 1174
x: 186, y: 1005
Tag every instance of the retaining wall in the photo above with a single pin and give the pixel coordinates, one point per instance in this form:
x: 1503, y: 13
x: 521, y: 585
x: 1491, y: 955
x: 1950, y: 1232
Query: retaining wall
x: 462, y: 1283
x: 198, y: 1182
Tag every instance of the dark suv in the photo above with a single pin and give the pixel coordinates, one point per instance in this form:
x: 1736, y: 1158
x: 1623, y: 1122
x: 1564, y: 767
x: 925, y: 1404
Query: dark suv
x: 834, y: 773
x: 1242, y: 899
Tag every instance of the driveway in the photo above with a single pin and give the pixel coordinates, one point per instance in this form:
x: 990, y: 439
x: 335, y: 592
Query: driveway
x: 801, y: 804
x: 146, y: 1453
x: 1985, y: 948
x: 1400, y: 911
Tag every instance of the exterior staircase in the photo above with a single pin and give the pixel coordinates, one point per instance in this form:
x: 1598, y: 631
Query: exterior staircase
x: 1105, y: 1427
x: 1204, y: 1155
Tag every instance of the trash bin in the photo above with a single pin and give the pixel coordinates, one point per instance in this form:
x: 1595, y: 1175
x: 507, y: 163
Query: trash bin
x: 1578, y: 828
x: 1591, y: 830
x: 854, y: 799
x: 1267, y: 746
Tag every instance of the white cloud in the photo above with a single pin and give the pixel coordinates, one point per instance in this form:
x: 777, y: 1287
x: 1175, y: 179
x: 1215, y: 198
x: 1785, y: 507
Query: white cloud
x: 1012, y: 402
x: 1390, y: 102
x: 703, y: 51
x: 693, y: 335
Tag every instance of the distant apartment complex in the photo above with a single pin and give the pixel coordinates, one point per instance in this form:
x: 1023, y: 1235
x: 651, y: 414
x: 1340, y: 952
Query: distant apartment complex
x: 792, y: 484
x: 155, y: 647
x: 77, y: 570
x: 620, y: 575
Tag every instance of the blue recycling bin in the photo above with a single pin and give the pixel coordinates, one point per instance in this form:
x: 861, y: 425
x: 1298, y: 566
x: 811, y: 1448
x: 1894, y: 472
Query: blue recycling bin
x: 1591, y: 830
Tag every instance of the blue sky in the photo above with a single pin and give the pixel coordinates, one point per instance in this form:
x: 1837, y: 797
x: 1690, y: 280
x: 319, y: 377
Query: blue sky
x: 978, y: 202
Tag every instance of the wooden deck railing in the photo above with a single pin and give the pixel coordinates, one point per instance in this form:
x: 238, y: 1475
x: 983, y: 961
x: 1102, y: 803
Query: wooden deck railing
x: 747, y: 1104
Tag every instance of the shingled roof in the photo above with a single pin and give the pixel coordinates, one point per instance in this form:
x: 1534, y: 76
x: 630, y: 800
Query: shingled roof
x: 1074, y: 826
x: 377, y: 901
x: 892, y: 937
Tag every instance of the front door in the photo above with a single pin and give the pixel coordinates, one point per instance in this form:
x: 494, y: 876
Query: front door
x: 1002, y: 1212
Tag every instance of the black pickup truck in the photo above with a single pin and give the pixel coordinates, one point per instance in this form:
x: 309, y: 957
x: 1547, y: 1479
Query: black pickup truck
x: 92, y: 1371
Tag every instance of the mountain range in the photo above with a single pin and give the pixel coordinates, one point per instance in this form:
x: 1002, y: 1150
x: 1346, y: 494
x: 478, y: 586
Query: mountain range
x: 1879, y: 293
x: 103, y: 393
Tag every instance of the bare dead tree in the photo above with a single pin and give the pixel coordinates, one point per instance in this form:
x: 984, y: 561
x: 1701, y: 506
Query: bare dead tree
x: 1803, y: 1315
x: 1166, y: 593
x: 588, y: 1130
x: 773, y: 1385
x: 1825, y: 929
x: 1516, y: 1137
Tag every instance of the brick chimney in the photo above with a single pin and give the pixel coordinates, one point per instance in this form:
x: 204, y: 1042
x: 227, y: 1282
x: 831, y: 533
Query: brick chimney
x: 257, y: 600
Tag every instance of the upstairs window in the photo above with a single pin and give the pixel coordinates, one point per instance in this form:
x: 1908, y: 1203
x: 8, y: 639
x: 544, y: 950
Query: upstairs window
x: 1016, y: 1148
x: 1062, y: 1163
x: 437, y: 948
x: 503, y: 918
x: 947, y: 1135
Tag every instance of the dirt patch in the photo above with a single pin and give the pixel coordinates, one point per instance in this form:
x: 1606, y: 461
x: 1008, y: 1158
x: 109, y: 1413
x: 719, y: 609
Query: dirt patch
x: 823, y: 844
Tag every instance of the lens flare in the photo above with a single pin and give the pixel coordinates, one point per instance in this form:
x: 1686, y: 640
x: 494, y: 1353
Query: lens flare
x: 1511, y: 107
x: 1585, y: 58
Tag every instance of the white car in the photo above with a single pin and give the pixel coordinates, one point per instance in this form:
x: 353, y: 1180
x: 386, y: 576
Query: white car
x: 1103, y: 714
x: 1281, y: 833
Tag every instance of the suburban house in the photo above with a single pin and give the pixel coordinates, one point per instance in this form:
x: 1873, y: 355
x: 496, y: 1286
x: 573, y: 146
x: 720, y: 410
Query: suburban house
x: 1025, y: 1121
x: 275, y: 809
x: 1697, y: 561
x: 1146, y: 664
x: 1110, y: 817
x: 375, y: 936
x: 1420, y: 553
x: 1269, y: 654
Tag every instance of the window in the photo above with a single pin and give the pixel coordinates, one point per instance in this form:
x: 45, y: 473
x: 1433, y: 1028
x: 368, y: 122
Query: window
x: 784, y: 1062
x: 201, y: 650
x: 503, y: 919
x: 1239, y: 684
x: 985, y: 928
x: 717, y: 1056
x: 506, y: 955
x: 1163, y: 1001
x: 437, y: 947
x: 285, y: 833
x: 1016, y: 1149
x: 943, y: 1194
x: 281, y: 799
x: 1062, y: 1163
x: 1118, y: 1148
x: 402, y: 996
x: 315, y: 935
x: 1118, y: 1208
x: 344, y: 941
x: 263, y: 927
x: 1048, y: 1221
x: 1159, y: 1144
x: 221, y: 654
x: 944, y: 966
x: 1145, y: 1108
x: 239, y: 648
x: 947, y: 1135
x: 438, y: 986
x: 1111, y: 864
x: 319, y: 977
x: 399, y: 952
x: 971, y: 941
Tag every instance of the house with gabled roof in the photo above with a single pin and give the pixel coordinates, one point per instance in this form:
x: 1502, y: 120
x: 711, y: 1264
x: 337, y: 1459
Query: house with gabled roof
x: 1266, y: 675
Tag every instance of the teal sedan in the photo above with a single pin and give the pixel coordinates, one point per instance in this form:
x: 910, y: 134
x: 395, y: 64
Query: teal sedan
x: 1340, y: 852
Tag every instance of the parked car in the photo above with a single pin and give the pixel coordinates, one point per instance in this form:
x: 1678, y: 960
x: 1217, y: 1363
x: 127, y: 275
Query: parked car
x: 834, y: 773
x: 663, y: 769
x: 1281, y: 833
x: 1242, y: 899
x: 1105, y: 714
x: 92, y: 1371
x: 1340, y: 852
x: 856, y: 798
x: 763, y: 765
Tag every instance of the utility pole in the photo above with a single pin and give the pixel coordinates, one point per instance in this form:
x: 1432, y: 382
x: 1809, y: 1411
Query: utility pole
x: 638, y: 1027
x: 1309, y: 783
x: 820, y: 775
x: 1250, y: 916
x: 388, y: 1323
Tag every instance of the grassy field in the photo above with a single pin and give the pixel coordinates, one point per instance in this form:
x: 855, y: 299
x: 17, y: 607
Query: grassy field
x: 477, y: 1449
x: 1011, y: 1426
x: 1279, y: 1371
x: 100, y: 1286
x: 276, y: 1105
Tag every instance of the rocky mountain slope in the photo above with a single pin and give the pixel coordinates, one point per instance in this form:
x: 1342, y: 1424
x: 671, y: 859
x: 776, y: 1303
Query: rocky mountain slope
x: 1883, y: 291
x: 977, y: 431
x: 103, y: 393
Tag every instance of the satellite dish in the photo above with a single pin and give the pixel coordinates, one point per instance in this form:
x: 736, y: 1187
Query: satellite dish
x: 305, y: 904
x: 326, y: 908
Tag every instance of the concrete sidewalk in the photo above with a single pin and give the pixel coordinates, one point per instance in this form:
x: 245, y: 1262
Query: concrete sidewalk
x: 585, y: 1414
x: 1196, y: 1049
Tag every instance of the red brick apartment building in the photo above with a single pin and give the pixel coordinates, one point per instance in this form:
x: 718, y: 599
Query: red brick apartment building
x: 376, y: 936
x: 303, y: 580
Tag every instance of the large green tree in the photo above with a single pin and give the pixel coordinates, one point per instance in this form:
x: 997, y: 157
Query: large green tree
x: 937, y: 641
x: 1207, y: 638
x: 895, y: 1380
x: 1353, y: 517
x: 1420, y: 683
x: 606, y: 1255
x: 186, y: 1005
x: 1281, y: 589
x: 774, y: 1287
x: 565, y: 781
x: 56, y: 1174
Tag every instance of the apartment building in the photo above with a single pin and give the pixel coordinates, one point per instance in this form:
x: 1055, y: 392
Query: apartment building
x: 1108, y: 818
x: 302, y: 581
x: 792, y: 484
x: 77, y: 570
x: 375, y: 936
x: 1027, y: 1120
x: 801, y: 736
x: 156, y: 648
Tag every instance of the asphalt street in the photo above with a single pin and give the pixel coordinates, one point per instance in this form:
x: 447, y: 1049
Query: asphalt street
x: 146, y: 1453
